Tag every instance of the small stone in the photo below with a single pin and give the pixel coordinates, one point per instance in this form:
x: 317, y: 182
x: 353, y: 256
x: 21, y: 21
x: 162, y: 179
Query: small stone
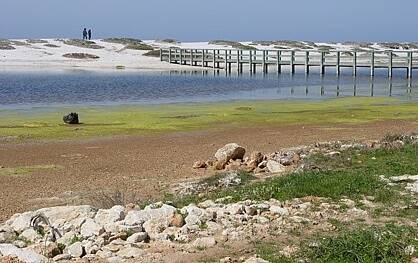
x: 225, y: 260
x: 199, y: 165
x: 256, y: 259
x: 62, y: 257
x: 275, y: 167
x: 76, y: 250
x: 177, y: 220
x: 255, y: 159
x: 130, y: 252
x: 91, y: 228
x: 278, y: 210
x: 235, y: 209
x: 137, y: 237
x: 204, y: 242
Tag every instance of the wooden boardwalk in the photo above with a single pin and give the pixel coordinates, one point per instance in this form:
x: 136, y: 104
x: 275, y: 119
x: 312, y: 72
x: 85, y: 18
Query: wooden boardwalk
x: 276, y: 59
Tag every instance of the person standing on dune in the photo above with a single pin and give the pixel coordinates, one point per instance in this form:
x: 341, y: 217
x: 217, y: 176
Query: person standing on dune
x: 89, y: 34
x: 85, y: 34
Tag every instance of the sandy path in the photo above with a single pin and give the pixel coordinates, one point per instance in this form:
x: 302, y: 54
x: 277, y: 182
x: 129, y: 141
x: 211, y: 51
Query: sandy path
x: 145, y: 165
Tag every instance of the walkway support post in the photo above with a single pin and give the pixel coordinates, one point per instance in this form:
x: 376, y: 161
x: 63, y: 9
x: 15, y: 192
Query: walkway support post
x: 214, y: 59
x: 279, y: 66
x: 372, y: 64
x: 264, y: 61
x: 307, y: 62
x: 292, y: 62
x: 354, y: 64
x: 226, y: 60
x: 410, y: 57
x: 390, y: 66
x: 321, y: 64
x: 251, y: 62
x: 203, y: 58
x: 338, y: 67
x: 191, y: 57
x: 161, y: 54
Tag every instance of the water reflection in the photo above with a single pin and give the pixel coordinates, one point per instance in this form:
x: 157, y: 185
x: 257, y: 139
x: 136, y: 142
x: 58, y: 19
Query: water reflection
x: 31, y: 89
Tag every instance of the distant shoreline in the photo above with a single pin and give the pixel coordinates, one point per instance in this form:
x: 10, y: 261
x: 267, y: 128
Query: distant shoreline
x: 130, y: 54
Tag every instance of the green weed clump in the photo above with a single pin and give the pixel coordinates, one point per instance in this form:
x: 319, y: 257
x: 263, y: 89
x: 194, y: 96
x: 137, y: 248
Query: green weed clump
x: 82, y: 43
x: 386, y: 244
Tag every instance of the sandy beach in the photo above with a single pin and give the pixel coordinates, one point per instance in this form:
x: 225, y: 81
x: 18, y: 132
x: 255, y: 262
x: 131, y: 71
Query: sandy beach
x: 48, y: 55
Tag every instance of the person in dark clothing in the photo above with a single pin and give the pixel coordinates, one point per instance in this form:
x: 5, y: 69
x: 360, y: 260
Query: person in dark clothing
x: 89, y: 34
x: 84, y: 34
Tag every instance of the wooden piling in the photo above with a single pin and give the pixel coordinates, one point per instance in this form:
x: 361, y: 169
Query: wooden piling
x: 292, y: 62
x: 321, y: 63
x: 354, y: 63
x: 372, y: 63
x: 390, y: 66
x: 279, y: 66
x: 338, y: 66
x: 307, y: 62
x: 410, y: 66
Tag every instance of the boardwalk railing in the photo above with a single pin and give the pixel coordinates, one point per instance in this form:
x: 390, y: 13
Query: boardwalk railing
x: 250, y: 59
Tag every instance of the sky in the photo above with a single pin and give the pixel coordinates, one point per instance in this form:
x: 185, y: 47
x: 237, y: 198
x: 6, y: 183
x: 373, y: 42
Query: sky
x: 204, y: 20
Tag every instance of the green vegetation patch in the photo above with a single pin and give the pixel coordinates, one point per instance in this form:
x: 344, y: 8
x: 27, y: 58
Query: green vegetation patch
x: 82, y: 43
x: 373, y: 244
x: 36, y: 41
x: 153, y: 53
x: 233, y: 44
x: 389, y: 243
x: 123, y: 41
x: 127, y: 120
x: 24, y: 170
x: 80, y: 56
x: 51, y: 45
x: 140, y: 46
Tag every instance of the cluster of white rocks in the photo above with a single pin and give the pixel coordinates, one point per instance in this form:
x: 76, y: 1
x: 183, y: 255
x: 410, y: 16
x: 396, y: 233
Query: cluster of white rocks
x: 125, y: 233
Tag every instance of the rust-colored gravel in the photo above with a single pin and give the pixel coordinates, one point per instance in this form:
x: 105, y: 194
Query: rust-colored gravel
x: 145, y: 165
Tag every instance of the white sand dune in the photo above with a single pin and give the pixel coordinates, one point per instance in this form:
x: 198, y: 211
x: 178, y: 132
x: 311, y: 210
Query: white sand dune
x: 39, y: 56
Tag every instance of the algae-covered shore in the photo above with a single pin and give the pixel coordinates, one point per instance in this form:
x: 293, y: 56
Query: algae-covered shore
x: 142, y: 120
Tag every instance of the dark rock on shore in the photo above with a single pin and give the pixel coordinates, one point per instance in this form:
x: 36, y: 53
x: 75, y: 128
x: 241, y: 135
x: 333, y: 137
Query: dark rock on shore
x: 71, y: 118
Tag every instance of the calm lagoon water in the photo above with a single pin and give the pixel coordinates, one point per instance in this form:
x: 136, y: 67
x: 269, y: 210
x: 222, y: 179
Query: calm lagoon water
x: 26, y: 90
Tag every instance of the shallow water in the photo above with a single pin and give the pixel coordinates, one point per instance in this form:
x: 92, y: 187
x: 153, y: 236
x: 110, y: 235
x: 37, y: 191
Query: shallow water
x: 25, y: 90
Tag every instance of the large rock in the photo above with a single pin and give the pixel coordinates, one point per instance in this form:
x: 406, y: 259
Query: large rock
x: 139, y: 217
x: 90, y: 228
x: 22, y: 222
x: 231, y: 151
x: 130, y: 252
x: 25, y: 255
x: 67, y: 217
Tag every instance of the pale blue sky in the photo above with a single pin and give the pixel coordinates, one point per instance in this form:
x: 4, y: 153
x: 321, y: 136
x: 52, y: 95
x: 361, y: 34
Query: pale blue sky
x: 194, y: 20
